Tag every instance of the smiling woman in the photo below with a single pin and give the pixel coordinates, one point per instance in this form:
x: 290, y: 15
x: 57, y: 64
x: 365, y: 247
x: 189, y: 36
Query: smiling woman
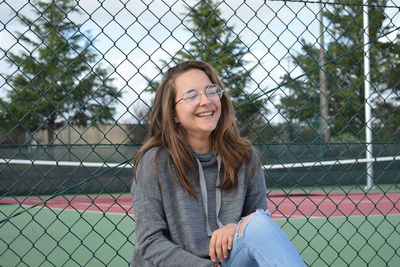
x: 195, y: 178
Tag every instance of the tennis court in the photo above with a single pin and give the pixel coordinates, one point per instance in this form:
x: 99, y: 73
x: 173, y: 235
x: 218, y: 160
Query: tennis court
x: 335, y: 229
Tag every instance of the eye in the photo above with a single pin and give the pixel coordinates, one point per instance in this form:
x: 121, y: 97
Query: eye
x: 191, y: 94
x: 213, y: 89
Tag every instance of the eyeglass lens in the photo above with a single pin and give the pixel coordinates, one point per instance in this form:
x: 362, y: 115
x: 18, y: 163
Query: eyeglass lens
x: 213, y: 92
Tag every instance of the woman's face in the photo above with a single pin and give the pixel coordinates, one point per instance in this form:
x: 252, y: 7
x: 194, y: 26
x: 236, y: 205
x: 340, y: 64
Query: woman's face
x: 198, y: 117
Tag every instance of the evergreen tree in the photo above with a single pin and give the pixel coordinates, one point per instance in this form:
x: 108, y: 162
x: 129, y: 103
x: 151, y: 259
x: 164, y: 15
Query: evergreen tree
x: 345, y: 73
x: 56, y: 79
x: 387, y: 120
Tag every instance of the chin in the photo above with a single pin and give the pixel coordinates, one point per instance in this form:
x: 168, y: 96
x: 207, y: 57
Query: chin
x: 209, y: 131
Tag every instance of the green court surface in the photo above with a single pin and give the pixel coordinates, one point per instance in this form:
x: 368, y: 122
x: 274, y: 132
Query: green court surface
x: 49, y: 237
x: 346, y: 241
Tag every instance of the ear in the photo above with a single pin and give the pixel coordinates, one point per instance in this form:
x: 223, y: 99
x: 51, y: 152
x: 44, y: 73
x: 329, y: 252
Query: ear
x: 176, y: 119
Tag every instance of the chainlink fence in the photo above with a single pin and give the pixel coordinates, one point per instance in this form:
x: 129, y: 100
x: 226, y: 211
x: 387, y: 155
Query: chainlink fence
x: 315, y: 85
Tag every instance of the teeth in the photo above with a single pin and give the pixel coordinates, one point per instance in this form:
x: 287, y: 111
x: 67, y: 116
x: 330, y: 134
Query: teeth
x: 205, y: 114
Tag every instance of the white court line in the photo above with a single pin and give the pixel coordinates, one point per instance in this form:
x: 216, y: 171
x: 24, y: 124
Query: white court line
x: 328, y: 163
x: 129, y: 165
x: 65, y: 163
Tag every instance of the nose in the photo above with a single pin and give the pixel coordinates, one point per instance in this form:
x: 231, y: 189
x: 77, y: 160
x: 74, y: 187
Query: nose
x: 204, y: 100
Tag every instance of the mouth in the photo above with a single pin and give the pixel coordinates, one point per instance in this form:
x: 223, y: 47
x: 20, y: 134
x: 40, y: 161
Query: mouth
x: 205, y: 114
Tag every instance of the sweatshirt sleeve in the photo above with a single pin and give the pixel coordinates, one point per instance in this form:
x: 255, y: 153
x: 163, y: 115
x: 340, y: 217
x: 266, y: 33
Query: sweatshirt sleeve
x: 151, y: 230
x: 256, y: 195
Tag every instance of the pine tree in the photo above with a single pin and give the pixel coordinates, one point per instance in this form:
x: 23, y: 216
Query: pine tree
x: 345, y: 73
x: 56, y: 79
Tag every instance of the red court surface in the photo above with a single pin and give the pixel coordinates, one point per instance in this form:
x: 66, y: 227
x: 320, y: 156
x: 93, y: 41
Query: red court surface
x: 333, y: 205
x: 280, y: 205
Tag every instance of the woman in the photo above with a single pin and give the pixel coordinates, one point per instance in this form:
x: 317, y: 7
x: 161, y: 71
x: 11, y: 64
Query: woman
x: 195, y: 178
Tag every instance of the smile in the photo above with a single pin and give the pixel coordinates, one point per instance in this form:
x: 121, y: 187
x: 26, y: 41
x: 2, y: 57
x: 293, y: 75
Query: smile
x: 205, y: 114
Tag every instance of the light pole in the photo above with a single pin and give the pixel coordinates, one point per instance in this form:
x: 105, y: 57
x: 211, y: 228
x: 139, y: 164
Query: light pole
x: 367, y: 104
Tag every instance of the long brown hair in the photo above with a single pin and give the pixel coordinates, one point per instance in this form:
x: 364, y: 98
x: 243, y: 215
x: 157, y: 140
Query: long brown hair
x: 166, y: 133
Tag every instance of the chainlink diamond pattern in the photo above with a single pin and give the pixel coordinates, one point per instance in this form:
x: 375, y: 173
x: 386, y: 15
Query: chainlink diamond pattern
x: 77, y: 80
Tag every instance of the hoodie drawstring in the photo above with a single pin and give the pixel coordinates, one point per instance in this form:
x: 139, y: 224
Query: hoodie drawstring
x: 218, y: 197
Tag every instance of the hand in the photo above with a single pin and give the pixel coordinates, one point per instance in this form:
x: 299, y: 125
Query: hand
x: 221, y: 242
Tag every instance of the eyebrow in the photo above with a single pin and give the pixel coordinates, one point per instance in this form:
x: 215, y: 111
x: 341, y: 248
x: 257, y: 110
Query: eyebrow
x: 205, y: 87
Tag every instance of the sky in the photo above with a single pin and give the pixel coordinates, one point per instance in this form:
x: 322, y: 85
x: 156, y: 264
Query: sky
x: 134, y: 36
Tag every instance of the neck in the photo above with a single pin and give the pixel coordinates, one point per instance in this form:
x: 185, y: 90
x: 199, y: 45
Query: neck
x: 200, y: 144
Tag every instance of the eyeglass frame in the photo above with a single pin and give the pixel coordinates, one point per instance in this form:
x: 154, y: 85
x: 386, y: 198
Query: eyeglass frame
x: 201, y: 93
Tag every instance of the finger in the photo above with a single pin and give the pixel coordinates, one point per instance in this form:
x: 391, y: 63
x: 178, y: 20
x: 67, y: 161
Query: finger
x: 218, y: 248
x: 211, y: 249
x: 230, y: 242
x: 225, y: 244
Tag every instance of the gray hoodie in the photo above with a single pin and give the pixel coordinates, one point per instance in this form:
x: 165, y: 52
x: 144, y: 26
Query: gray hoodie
x: 171, y: 225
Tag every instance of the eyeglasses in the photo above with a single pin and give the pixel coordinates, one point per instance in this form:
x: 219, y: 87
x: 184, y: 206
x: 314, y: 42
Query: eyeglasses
x: 192, y: 96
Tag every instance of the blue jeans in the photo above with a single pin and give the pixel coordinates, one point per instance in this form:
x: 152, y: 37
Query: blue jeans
x: 262, y: 243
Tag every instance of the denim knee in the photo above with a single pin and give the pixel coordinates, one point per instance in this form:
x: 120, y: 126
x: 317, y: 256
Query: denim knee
x: 266, y: 242
x: 256, y: 216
